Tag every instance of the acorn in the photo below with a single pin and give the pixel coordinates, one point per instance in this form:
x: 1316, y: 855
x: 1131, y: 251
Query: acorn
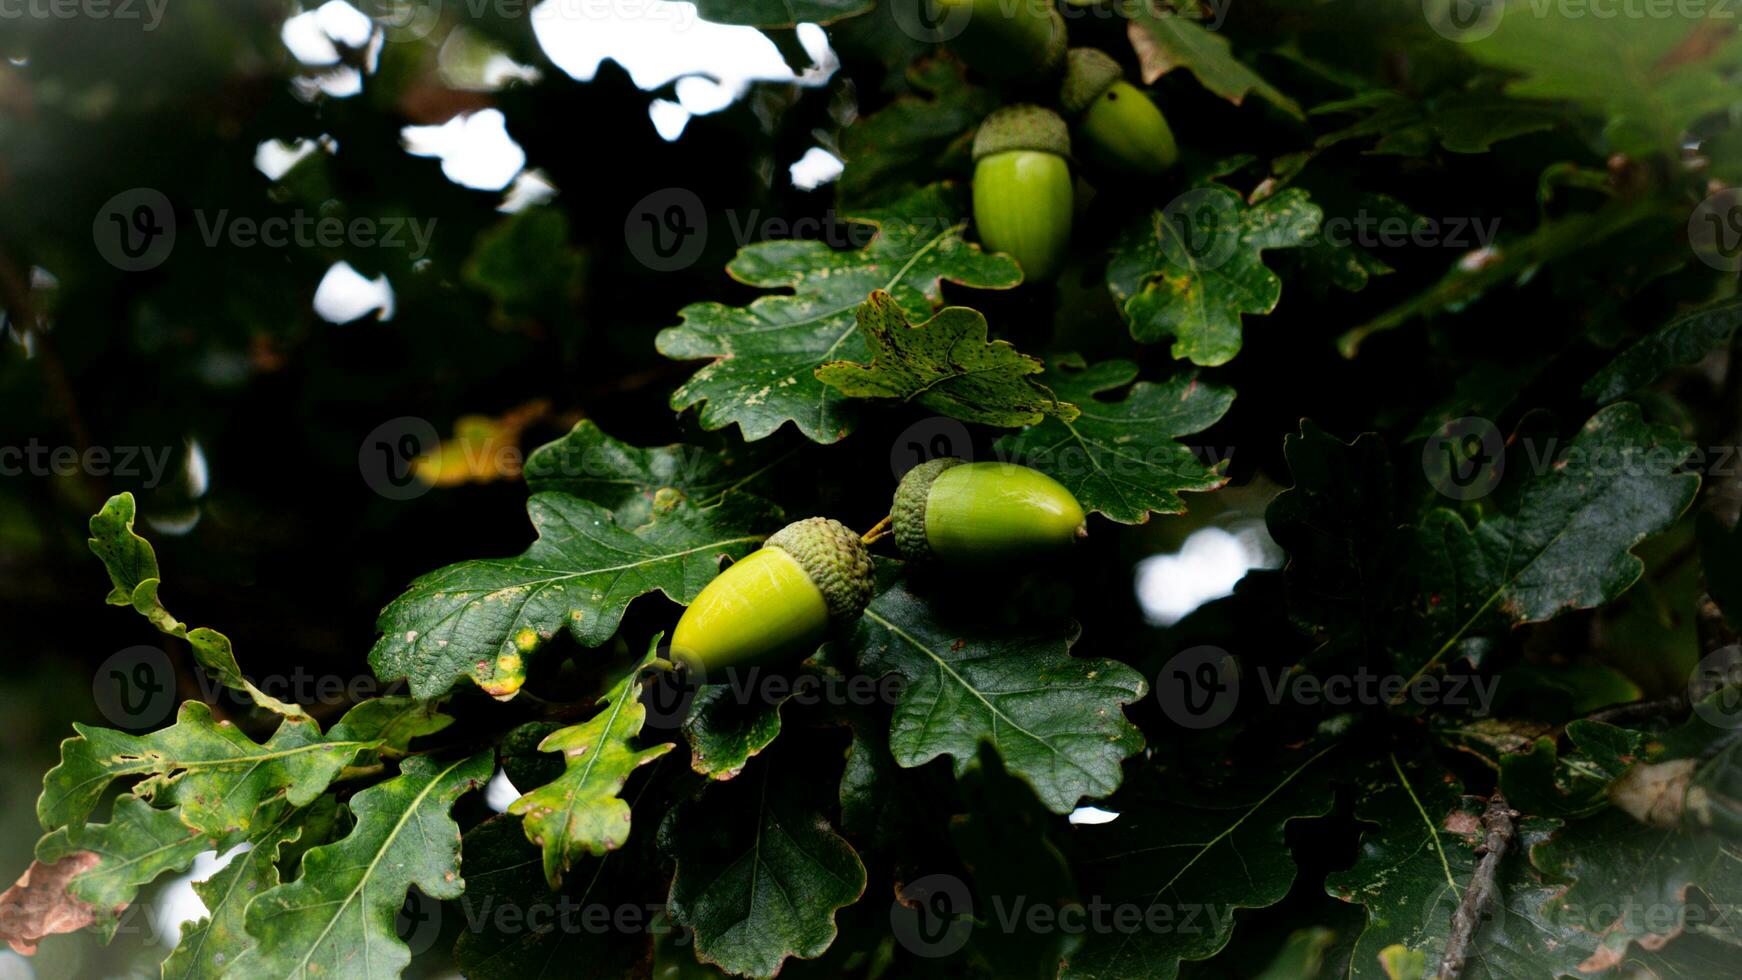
x: 1024, y: 44
x: 1022, y: 187
x: 1117, y: 125
x: 983, y: 513
x: 777, y: 603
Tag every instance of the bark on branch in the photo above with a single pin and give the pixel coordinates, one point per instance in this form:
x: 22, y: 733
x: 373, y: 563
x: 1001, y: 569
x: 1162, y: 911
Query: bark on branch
x: 1484, y: 890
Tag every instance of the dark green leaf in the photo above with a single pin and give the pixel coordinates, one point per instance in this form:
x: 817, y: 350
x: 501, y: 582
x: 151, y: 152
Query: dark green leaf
x: 946, y: 364
x: 1649, y: 77
x: 764, y: 355
x: 1119, y: 457
x: 908, y: 143
x: 760, y: 872
x: 1558, y: 538
x: 481, y: 618
x: 1190, y: 271
x: 1165, y: 40
x: 1462, y: 122
x: 208, y: 946
x: 1683, y: 340
x: 1184, y: 858
x: 1055, y: 719
x: 589, y: 464
x: 337, y: 918
x: 1413, y: 868
x: 518, y: 929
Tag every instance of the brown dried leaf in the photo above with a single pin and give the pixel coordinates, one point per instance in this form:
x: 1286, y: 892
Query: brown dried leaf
x: 38, y: 905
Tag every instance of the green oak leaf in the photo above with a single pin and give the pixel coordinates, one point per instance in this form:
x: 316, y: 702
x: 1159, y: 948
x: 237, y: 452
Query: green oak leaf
x: 1055, y: 719
x: 1461, y: 122
x: 580, y: 812
x: 516, y: 928
x: 946, y: 364
x: 481, y: 618
x: 779, y: 13
x: 1649, y: 77
x: 726, y: 731
x: 138, y: 844
x: 1417, y: 860
x: 1558, y: 535
x: 1180, y: 851
x: 1683, y: 340
x: 1191, y: 270
x: 209, y: 945
x: 632, y: 481
x: 337, y: 918
x: 764, y: 355
x: 909, y: 142
x: 760, y: 873
x: 213, y: 774
x: 1119, y: 458
x: 132, y: 566
x: 1165, y: 40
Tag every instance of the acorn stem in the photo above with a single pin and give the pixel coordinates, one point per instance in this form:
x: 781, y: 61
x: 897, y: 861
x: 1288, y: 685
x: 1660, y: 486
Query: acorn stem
x: 879, y: 531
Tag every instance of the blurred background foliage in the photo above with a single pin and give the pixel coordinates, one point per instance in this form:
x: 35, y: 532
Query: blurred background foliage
x: 267, y: 528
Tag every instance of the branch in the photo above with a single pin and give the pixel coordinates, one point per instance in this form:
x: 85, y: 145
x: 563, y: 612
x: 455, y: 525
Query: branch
x: 1483, y: 888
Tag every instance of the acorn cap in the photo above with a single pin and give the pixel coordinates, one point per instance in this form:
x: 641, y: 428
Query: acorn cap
x: 908, y: 511
x: 836, y: 560
x: 1022, y: 127
x: 1088, y: 72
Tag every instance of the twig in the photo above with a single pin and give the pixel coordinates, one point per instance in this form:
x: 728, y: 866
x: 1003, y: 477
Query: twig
x: 1483, y: 889
x: 1666, y: 707
x: 879, y: 531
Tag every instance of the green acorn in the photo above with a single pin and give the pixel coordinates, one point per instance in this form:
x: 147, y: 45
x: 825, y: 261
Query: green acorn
x: 1022, y: 188
x: 983, y: 513
x: 1117, y: 125
x: 1007, y: 40
x: 778, y: 602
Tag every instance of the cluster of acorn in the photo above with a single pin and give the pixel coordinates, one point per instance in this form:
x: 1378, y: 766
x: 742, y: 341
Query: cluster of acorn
x: 779, y: 602
x: 1022, y: 153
